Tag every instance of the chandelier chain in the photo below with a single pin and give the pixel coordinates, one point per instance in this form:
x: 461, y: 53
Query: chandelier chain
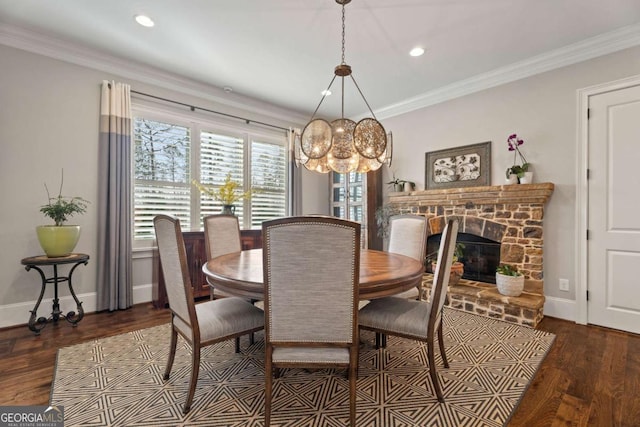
x: 343, y: 31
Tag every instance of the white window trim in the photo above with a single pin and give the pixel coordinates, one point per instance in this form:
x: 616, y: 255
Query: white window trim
x: 195, y: 120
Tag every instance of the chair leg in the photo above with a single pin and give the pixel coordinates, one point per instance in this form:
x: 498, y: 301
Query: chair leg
x: 384, y: 340
x: 353, y: 375
x: 352, y: 396
x: 237, y: 344
x: 252, y: 339
x: 195, y: 370
x: 268, y: 384
x: 172, y: 353
x: 378, y: 339
x: 441, y: 345
x: 432, y: 370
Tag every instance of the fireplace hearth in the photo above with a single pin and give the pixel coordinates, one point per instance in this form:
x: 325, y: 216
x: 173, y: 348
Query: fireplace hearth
x: 508, y: 216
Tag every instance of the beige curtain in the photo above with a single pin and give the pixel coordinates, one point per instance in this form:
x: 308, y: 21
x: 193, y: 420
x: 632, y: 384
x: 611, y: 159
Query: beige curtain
x: 115, y: 290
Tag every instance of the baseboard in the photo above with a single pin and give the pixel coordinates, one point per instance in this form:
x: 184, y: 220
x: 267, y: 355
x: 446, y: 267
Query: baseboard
x: 19, y: 313
x: 560, y: 308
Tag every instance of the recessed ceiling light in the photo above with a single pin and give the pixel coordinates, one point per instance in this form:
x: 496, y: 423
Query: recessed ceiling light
x: 325, y: 92
x: 416, y: 51
x: 144, y: 20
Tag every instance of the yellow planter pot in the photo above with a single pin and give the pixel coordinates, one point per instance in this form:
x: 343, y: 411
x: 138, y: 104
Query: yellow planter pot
x: 56, y: 240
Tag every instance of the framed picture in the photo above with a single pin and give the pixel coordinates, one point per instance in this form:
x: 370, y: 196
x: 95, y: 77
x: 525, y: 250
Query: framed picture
x: 467, y: 166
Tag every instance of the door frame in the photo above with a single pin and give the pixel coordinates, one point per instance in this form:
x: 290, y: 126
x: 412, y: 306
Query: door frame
x: 582, y: 188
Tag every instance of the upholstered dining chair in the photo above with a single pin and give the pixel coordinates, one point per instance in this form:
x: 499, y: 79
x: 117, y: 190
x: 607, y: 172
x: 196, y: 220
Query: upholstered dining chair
x: 221, y: 237
x: 408, y: 236
x: 199, y: 324
x: 415, y: 319
x: 311, y: 275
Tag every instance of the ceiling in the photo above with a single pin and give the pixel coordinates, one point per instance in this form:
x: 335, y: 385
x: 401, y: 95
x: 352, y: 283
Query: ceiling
x: 284, y: 51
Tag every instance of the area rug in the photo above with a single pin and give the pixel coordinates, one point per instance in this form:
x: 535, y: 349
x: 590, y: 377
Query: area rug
x: 117, y: 381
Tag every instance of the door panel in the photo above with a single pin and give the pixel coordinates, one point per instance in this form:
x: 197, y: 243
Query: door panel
x: 614, y: 207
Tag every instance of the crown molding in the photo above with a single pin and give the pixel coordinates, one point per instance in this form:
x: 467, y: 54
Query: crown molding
x: 34, y: 42
x: 51, y: 47
x: 603, y: 44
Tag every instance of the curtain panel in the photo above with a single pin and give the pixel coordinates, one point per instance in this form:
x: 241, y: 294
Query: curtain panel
x: 295, y: 175
x: 114, y: 288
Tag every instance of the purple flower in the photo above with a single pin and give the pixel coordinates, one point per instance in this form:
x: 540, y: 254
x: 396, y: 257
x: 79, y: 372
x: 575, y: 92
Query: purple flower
x: 513, y: 142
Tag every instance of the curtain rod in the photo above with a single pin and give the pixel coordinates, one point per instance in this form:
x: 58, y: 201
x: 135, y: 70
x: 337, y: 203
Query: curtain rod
x: 193, y: 108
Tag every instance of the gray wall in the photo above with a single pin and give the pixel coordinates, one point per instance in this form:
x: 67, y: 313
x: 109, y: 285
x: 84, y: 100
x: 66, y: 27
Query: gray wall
x: 541, y: 109
x: 49, y: 121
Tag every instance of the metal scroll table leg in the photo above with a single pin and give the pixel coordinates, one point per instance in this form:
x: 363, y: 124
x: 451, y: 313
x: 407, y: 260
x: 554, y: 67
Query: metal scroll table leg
x: 36, y: 324
x: 71, y: 316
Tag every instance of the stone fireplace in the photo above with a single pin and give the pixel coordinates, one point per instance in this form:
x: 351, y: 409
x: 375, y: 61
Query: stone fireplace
x: 511, y: 215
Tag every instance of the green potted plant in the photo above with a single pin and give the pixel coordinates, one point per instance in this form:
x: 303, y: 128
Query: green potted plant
x: 228, y: 193
x: 400, y: 185
x: 382, y: 214
x: 60, y: 239
x: 457, y: 267
x: 509, y: 280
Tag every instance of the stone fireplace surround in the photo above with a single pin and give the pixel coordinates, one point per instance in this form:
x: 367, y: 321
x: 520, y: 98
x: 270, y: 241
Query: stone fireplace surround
x: 509, y: 214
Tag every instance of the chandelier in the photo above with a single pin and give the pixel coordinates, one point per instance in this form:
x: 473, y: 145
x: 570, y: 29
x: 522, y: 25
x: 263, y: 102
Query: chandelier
x: 343, y: 145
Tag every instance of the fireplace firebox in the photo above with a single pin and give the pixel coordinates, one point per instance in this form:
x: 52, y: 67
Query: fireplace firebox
x: 480, y: 256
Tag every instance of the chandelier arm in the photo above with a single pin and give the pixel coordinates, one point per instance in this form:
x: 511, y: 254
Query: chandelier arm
x: 323, y: 97
x: 362, y: 95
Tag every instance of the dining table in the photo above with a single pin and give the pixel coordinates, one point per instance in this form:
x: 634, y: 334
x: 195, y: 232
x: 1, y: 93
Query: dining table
x: 381, y: 274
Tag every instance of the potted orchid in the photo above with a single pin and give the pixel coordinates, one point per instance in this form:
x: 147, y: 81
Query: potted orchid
x: 517, y: 172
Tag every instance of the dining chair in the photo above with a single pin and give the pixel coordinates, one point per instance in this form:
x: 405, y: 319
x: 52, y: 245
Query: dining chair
x: 199, y: 324
x: 222, y: 236
x: 311, y: 273
x: 417, y: 319
x: 408, y: 236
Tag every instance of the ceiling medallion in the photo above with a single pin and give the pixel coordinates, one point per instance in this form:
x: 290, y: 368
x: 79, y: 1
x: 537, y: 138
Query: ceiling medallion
x: 343, y: 145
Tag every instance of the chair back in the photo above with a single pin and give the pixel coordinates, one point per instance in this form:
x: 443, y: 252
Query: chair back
x: 173, y: 258
x: 408, y: 236
x: 222, y: 235
x: 441, y: 277
x: 311, y: 274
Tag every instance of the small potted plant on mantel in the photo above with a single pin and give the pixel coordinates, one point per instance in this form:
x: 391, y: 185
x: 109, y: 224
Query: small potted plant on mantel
x: 400, y: 185
x: 59, y: 240
x: 509, y: 280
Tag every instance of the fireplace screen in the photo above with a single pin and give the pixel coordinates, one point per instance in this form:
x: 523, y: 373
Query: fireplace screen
x: 480, y: 256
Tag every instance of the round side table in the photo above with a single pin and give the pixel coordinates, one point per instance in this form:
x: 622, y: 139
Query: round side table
x: 36, y: 324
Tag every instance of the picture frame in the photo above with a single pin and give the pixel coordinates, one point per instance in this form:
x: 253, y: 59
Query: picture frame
x: 467, y: 166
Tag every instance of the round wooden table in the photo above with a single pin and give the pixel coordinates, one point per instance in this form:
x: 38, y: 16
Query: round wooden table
x: 381, y: 273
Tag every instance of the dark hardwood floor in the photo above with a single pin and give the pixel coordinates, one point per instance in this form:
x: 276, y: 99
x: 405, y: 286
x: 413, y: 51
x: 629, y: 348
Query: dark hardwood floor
x: 591, y: 376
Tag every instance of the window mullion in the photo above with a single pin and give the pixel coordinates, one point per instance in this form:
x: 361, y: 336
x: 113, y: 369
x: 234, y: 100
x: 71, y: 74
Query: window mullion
x: 195, y: 174
x: 246, y: 180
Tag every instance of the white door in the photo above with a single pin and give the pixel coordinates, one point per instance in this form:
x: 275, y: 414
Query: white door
x: 614, y: 210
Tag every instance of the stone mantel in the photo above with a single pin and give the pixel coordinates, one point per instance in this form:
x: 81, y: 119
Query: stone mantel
x: 485, y: 195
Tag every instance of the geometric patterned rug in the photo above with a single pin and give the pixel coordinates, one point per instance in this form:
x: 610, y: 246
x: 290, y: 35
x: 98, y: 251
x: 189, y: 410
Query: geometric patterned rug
x: 117, y: 381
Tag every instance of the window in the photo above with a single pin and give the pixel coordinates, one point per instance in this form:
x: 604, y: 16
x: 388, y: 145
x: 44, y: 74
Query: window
x: 171, y: 151
x: 349, y: 199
